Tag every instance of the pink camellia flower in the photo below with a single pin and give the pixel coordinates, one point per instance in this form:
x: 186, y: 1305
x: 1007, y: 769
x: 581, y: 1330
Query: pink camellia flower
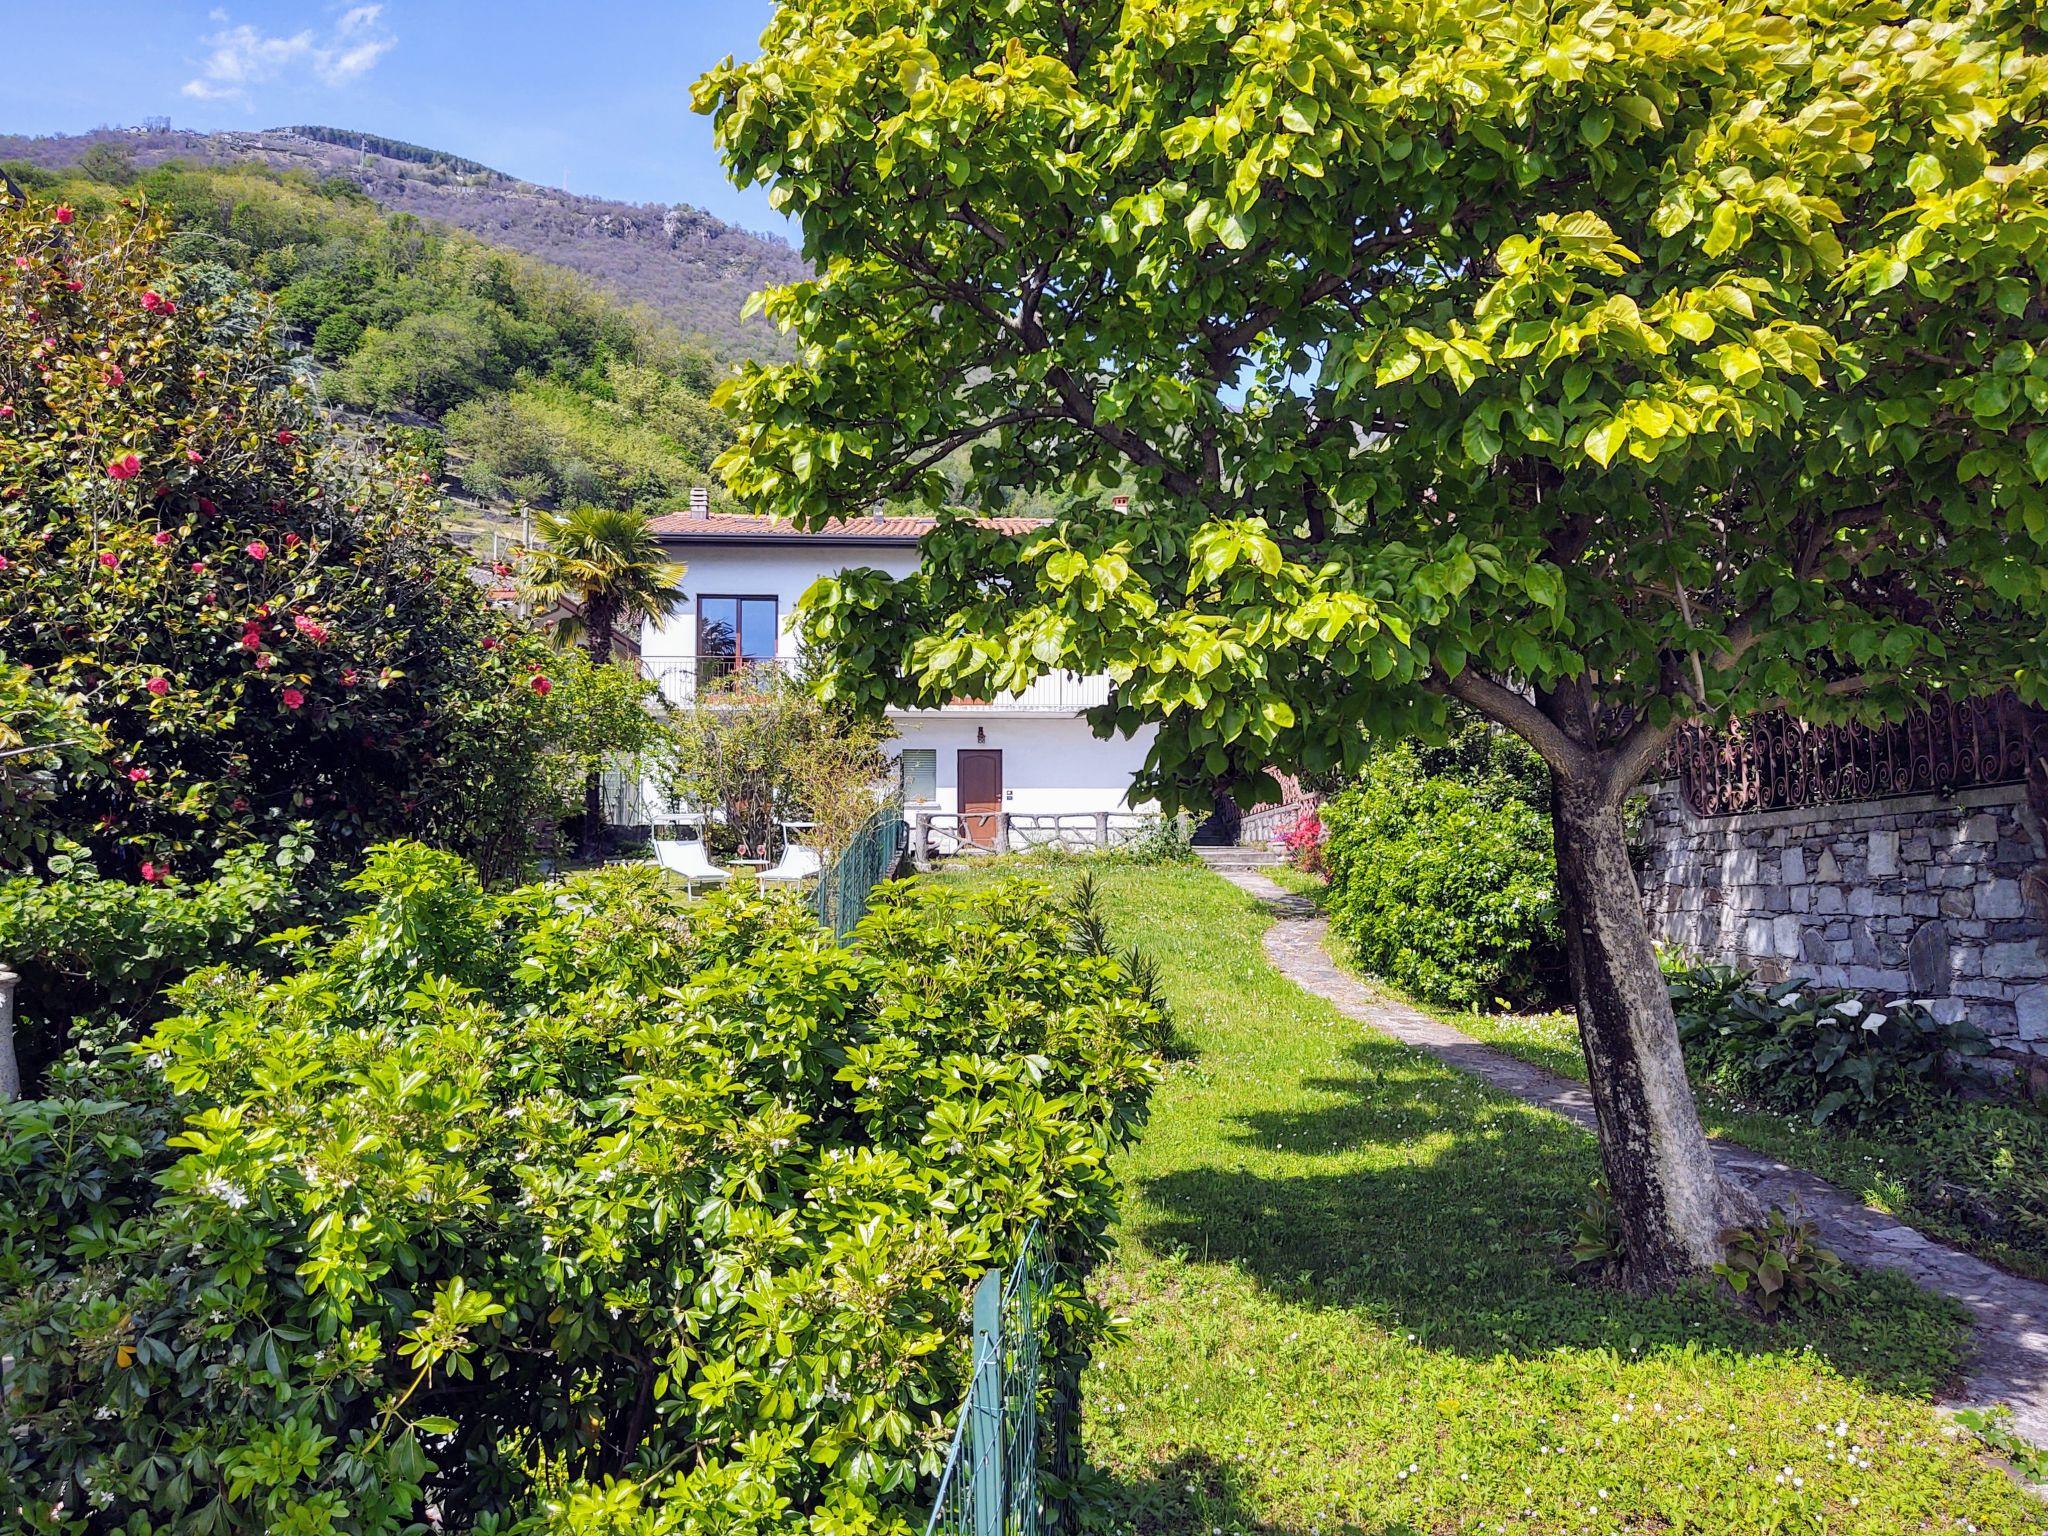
x: 126, y: 467
x: 490, y: 642
x: 256, y: 549
x: 74, y: 286
x: 163, y: 537
x: 287, y: 437
x: 311, y: 628
x: 6, y: 411
x: 198, y: 567
x: 194, y: 456
x: 109, y: 559
x: 293, y: 698
x: 238, y: 804
x: 152, y: 300
x: 159, y: 686
x: 21, y: 262
x: 153, y: 873
x: 291, y: 541
x: 3, y: 562
x: 137, y: 775
x: 64, y: 214
x: 114, y: 377
x: 265, y: 662
x: 349, y: 676
x: 541, y: 685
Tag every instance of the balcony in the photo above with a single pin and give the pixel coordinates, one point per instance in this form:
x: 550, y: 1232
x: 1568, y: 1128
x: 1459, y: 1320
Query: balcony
x: 688, y: 681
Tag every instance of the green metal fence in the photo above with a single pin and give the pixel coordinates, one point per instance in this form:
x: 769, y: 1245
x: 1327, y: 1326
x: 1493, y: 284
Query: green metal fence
x: 846, y: 884
x: 990, y: 1484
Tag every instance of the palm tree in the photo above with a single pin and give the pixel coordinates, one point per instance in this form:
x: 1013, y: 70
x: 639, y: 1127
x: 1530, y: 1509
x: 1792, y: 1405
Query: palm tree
x: 602, y: 566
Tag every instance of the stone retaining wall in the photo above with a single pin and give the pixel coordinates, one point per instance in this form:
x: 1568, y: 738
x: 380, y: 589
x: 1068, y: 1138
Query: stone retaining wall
x: 1919, y: 897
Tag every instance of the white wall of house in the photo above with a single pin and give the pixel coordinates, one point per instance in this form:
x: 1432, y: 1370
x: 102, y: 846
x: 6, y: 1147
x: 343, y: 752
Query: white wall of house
x: 1052, y: 762
x: 759, y: 570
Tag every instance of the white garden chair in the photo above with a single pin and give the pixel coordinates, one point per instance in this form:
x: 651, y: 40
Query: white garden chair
x: 688, y: 858
x: 799, y: 862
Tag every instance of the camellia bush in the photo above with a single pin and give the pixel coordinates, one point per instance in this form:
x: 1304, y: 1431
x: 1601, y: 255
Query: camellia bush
x: 259, y: 614
x: 573, y: 1208
x: 1445, y: 887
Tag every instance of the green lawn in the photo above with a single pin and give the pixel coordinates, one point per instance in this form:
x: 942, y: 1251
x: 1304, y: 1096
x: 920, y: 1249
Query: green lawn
x: 1349, y: 1311
x: 1973, y: 1172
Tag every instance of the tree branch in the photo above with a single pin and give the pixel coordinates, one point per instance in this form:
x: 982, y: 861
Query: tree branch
x: 1519, y: 714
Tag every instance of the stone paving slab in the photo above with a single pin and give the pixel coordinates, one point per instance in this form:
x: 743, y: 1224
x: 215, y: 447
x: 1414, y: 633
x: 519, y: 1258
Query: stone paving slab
x: 2010, y: 1364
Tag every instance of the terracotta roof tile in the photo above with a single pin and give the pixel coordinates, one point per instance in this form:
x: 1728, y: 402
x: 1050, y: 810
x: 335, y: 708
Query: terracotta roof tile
x: 732, y: 525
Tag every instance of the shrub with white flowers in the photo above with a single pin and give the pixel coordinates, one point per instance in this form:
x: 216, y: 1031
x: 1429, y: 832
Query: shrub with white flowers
x: 1795, y: 1046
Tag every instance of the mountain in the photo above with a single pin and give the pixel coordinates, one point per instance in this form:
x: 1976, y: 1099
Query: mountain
x: 692, y: 269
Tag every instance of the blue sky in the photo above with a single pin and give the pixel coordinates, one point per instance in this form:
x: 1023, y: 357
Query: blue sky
x: 592, y: 95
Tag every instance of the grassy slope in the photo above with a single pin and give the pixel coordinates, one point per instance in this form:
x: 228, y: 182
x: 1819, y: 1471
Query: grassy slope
x: 1968, y: 1141
x: 1341, y: 1265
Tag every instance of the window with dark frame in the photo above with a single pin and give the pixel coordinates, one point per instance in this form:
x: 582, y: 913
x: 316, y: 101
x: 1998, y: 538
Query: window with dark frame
x: 733, y: 631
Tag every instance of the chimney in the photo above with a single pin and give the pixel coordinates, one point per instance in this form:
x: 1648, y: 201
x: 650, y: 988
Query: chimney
x: 1120, y: 503
x: 700, y: 501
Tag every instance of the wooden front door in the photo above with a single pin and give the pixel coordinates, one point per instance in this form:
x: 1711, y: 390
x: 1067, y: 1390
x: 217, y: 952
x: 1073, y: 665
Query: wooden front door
x: 981, y: 795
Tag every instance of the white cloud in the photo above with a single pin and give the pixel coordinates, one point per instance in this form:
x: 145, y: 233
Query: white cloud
x: 239, y: 57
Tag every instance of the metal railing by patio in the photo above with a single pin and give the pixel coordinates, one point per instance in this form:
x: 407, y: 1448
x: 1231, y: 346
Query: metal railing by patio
x: 990, y: 1485
x: 941, y: 834
x: 846, y: 886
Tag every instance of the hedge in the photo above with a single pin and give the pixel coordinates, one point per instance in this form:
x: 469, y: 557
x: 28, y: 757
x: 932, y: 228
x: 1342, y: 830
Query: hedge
x: 572, y: 1208
x: 1443, y: 887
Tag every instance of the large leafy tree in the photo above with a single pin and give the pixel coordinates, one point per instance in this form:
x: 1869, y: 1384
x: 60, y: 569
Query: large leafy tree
x: 601, y: 566
x: 1597, y: 364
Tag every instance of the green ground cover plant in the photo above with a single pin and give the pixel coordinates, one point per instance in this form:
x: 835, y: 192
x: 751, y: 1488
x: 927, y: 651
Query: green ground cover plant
x: 1351, y: 1310
x: 573, y: 1208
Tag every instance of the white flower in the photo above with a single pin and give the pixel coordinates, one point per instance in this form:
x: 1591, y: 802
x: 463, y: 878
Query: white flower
x: 1849, y: 1007
x: 1874, y: 1023
x: 1789, y: 1000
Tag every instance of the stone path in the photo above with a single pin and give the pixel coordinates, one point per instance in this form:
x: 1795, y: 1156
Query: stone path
x: 2011, y: 1362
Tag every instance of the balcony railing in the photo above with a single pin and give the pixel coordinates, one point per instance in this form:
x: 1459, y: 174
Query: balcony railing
x: 711, y: 680
x: 690, y: 680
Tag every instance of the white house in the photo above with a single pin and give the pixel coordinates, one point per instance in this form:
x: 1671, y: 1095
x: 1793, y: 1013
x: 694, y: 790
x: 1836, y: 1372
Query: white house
x: 1031, y: 755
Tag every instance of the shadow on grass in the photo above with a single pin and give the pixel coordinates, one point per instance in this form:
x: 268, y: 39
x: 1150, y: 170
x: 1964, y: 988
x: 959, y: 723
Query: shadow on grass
x: 1195, y: 1494
x: 1452, y: 1222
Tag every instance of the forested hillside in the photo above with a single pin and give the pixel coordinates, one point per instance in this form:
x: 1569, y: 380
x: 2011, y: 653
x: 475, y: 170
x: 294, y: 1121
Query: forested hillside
x: 532, y: 384
x: 694, y: 270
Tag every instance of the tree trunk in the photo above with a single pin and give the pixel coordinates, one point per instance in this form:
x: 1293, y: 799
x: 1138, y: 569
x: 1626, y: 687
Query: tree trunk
x: 1668, y: 1198
x: 597, y: 644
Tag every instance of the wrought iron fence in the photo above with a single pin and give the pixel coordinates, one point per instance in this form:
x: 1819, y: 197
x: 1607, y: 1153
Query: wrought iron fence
x: 990, y: 1485
x: 847, y: 884
x: 1775, y: 762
